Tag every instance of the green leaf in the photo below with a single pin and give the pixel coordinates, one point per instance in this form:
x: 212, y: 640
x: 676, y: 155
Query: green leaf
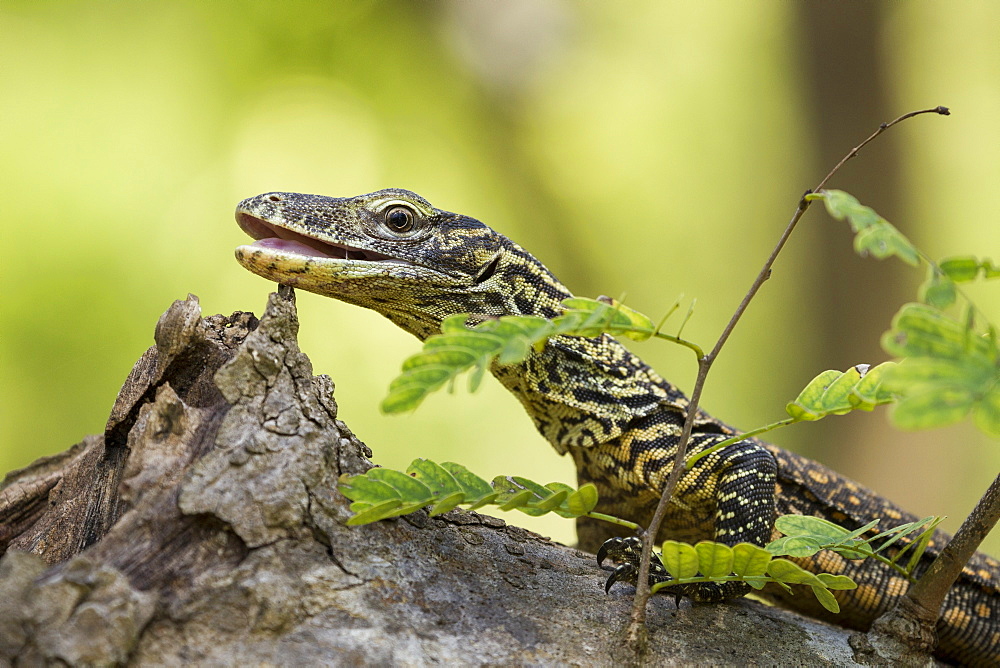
x: 921, y: 543
x: 436, y: 477
x: 409, y: 488
x: 428, y: 375
x: 933, y: 408
x: 841, y: 205
x: 539, y: 501
x: 826, y: 599
x: 938, y: 291
x: 807, y: 525
x: 807, y: 406
x: 446, y: 503
x: 894, y: 534
x: 961, y: 269
x: 365, y: 489
x: 477, y: 491
x: 442, y: 484
x: 556, y: 487
x: 549, y: 503
x: 455, y: 324
x: 987, y: 413
x: 680, y: 559
x: 871, y: 391
x: 915, y: 374
x: 528, y: 496
x: 795, y: 546
x: 447, y: 357
x: 836, y: 393
x: 402, y: 400
x: 836, y: 581
x: 583, y: 500
x: 502, y: 341
x: 478, y: 371
x: 539, y: 491
x: 834, y: 401
x: 921, y: 330
x: 874, y: 234
x: 715, y: 560
x: 750, y: 560
x: 376, y: 512
x: 857, y: 532
x: 789, y: 572
x: 884, y: 240
x: 806, y: 535
x: 476, y: 342
x: 614, y: 318
x: 515, y: 500
x: 516, y: 334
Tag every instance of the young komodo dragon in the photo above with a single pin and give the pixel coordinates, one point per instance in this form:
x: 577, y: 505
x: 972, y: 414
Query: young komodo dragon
x: 392, y: 252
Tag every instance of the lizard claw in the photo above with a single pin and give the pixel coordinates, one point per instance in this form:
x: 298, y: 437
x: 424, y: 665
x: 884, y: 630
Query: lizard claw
x: 624, y: 573
x: 627, y: 552
x: 610, y: 546
x: 620, y: 549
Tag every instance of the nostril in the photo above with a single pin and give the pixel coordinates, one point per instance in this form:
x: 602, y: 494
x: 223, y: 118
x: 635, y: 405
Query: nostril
x: 275, y: 198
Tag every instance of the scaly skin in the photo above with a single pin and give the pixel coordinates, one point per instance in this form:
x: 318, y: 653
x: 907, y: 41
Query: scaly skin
x: 392, y: 252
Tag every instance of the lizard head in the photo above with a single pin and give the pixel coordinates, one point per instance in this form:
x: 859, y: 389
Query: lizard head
x: 390, y: 251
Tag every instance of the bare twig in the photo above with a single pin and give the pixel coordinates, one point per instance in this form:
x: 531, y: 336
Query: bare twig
x: 636, y: 629
x: 931, y: 588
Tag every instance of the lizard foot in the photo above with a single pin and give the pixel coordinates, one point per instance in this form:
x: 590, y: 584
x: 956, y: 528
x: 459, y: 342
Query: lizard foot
x: 627, y: 552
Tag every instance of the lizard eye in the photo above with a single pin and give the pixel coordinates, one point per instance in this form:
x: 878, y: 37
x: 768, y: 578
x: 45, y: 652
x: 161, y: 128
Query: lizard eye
x: 400, y: 219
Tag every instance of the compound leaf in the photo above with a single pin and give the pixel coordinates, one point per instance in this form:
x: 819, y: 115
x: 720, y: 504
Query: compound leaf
x: 836, y: 393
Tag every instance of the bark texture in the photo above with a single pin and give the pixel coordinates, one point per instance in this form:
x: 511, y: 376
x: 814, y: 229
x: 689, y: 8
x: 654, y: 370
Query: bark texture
x: 205, y: 526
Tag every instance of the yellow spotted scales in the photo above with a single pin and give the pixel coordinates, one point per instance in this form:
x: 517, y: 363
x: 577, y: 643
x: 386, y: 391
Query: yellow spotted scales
x: 392, y: 252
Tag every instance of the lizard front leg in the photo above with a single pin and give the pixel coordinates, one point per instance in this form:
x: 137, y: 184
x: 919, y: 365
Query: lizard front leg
x: 729, y: 497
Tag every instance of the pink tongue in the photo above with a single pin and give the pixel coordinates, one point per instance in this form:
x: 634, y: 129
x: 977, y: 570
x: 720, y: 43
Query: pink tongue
x: 288, y: 246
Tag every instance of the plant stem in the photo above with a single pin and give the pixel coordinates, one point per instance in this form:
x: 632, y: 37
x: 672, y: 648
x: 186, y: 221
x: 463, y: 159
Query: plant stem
x: 693, y: 459
x: 613, y: 520
x: 676, y: 339
x: 635, y: 632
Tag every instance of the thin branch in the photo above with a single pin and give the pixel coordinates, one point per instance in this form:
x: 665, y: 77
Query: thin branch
x: 944, y: 111
x: 636, y: 629
x: 933, y: 585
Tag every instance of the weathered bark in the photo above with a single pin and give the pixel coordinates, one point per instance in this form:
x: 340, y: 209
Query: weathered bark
x: 205, y: 526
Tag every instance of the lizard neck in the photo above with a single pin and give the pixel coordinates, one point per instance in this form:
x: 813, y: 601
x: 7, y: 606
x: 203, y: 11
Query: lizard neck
x: 582, y: 392
x: 516, y: 283
x: 578, y: 391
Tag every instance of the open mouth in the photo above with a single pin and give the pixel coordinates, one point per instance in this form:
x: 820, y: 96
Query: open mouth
x: 281, y: 239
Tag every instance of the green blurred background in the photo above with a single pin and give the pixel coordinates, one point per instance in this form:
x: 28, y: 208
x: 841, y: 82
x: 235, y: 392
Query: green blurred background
x: 649, y: 148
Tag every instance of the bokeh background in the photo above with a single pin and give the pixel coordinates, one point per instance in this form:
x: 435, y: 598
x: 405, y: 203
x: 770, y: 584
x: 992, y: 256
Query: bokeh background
x: 646, y: 148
